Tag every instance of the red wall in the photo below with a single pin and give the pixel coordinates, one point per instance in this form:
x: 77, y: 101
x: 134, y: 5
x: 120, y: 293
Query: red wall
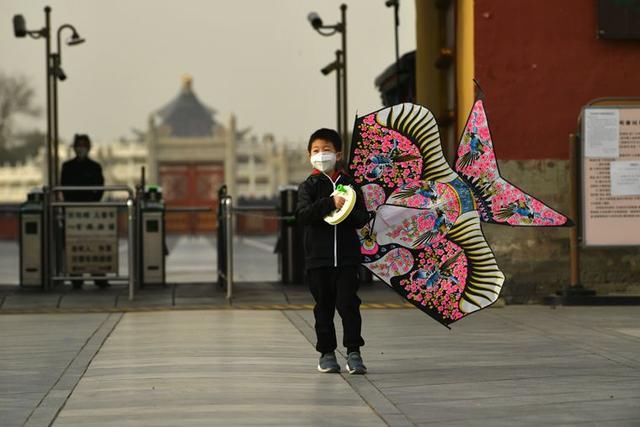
x: 9, y: 226
x: 539, y: 62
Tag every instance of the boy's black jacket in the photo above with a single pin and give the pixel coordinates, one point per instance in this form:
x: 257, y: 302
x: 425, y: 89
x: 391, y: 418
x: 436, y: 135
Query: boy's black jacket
x: 314, y: 203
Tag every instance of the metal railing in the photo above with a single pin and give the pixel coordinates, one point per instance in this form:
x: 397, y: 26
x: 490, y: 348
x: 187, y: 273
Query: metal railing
x: 50, y: 250
x: 227, y: 213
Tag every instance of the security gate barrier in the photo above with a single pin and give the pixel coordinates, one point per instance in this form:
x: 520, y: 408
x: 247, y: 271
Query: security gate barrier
x: 32, y: 241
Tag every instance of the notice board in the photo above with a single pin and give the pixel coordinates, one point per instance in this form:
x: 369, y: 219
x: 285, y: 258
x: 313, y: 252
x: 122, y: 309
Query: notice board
x: 91, y: 240
x: 610, y: 175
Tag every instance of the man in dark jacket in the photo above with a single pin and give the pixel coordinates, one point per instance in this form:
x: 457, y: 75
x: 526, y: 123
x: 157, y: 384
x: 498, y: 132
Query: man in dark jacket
x: 82, y: 171
x: 332, y: 252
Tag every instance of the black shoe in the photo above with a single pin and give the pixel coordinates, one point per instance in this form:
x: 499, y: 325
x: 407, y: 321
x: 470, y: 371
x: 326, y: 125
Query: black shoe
x: 102, y: 284
x: 355, y: 365
x: 328, y: 363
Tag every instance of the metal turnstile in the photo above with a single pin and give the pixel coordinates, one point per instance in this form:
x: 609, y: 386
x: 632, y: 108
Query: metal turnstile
x: 290, y: 240
x: 32, y: 241
x: 152, y: 237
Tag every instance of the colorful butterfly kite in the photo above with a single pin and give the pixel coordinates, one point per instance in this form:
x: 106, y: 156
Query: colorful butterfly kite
x: 424, y: 239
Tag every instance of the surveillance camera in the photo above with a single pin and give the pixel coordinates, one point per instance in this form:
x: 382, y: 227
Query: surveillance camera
x: 390, y: 3
x: 315, y: 20
x: 329, y: 68
x: 19, y: 26
x: 59, y: 73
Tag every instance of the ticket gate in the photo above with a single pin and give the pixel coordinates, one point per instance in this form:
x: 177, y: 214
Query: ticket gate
x: 32, y: 241
x: 152, y: 237
x: 290, y: 246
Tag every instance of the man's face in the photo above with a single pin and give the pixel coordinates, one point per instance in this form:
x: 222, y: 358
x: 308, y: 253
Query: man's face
x: 323, y: 146
x: 81, y: 149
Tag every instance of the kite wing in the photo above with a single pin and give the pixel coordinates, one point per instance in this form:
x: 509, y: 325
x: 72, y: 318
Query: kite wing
x: 447, y: 278
x: 498, y: 200
x: 396, y: 146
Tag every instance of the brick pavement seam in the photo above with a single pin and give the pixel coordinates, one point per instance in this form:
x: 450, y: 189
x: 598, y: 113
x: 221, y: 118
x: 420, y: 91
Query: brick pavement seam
x: 360, y: 384
x: 106, y: 333
x: 286, y: 295
x: 110, y: 326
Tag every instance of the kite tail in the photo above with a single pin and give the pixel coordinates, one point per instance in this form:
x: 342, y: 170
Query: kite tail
x: 497, y: 200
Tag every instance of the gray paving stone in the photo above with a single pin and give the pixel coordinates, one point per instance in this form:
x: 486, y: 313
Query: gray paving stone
x: 156, y: 299
x: 516, y: 366
x: 31, y: 300
x: 36, y: 350
x: 89, y: 301
x: 210, y: 368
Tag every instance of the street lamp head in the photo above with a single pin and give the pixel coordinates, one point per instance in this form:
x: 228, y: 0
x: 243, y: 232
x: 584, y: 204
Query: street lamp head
x: 315, y: 20
x: 390, y: 3
x: 75, y: 39
x: 19, y: 26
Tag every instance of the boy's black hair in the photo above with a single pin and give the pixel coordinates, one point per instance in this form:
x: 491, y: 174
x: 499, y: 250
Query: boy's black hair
x: 328, y: 135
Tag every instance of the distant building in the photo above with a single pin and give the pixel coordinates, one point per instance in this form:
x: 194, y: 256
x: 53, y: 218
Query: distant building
x: 190, y: 154
x: 17, y: 180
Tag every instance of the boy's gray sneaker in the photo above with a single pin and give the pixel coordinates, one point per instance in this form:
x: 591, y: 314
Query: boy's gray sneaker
x: 355, y: 364
x: 328, y: 363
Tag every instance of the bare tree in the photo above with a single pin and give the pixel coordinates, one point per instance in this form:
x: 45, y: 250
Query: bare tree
x: 16, y: 98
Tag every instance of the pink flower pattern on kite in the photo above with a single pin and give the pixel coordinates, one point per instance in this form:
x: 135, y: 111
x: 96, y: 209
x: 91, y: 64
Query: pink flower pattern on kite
x: 395, y: 263
x: 477, y: 163
x: 410, y: 229
x: 373, y: 196
x: 477, y: 140
x: 439, y: 290
x: 378, y: 141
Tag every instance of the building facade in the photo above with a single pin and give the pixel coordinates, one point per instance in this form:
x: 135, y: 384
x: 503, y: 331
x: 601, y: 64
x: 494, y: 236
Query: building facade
x: 537, y: 63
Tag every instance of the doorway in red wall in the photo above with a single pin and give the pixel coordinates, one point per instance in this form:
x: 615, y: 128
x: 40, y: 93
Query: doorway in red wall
x: 193, y: 184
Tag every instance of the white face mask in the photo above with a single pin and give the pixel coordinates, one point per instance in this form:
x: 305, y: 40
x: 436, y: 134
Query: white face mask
x: 324, y: 161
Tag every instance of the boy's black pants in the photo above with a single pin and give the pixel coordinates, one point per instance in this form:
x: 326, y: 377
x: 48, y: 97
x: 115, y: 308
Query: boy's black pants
x: 336, y: 288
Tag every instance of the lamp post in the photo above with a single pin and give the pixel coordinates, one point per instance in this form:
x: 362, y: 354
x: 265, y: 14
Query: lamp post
x: 396, y: 20
x: 336, y: 66
x: 53, y: 72
x: 329, y: 30
x: 57, y: 73
x: 52, y: 241
x: 20, y: 31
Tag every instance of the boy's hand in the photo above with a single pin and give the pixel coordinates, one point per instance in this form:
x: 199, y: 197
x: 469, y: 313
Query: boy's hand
x: 338, y: 201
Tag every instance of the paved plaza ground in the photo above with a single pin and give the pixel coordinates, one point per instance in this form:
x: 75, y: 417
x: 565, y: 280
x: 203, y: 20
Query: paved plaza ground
x: 512, y: 366
x: 181, y: 356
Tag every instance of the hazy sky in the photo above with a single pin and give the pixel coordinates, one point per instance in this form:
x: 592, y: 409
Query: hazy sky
x: 259, y: 59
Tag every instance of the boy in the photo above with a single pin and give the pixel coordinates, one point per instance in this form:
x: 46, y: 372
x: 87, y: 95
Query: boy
x: 332, y: 252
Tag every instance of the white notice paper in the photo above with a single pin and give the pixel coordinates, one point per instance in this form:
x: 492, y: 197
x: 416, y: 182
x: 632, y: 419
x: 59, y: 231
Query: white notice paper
x: 602, y: 132
x: 625, y: 178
